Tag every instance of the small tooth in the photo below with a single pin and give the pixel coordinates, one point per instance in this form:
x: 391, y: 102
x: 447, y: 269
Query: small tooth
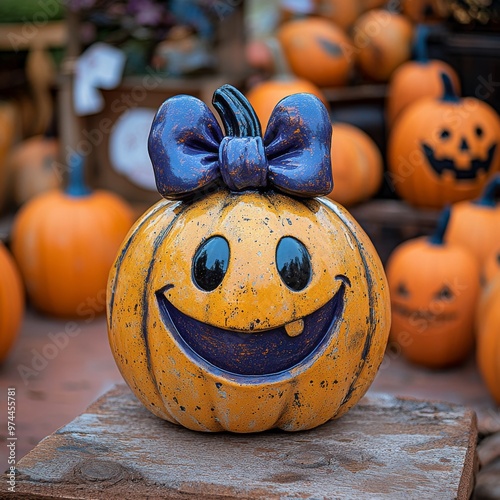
x: 295, y: 328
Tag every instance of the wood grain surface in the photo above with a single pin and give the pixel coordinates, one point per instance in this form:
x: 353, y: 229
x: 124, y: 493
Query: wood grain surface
x: 385, y: 447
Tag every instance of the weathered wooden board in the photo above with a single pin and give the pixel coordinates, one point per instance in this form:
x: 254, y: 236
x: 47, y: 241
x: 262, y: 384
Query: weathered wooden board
x: 385, y: 447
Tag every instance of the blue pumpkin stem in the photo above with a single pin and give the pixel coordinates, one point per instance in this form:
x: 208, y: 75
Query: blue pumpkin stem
x: 237, y: 115
x: 420, y: 45
x: 488, y: 197
x: 437, y: 238
x: 76, y: 185
x: 449, y: 94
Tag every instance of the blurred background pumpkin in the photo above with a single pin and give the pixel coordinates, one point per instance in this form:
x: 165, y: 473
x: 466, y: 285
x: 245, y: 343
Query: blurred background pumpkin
x: 65, y: 241
x: 11, y: 301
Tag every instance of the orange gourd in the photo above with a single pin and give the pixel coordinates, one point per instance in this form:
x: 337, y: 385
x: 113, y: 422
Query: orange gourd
x: 65, y: 242
x: 444, y: 150
x: 33, y: 164
x: 434, y: 288
x: 7, y: 136
x: 418, y: 78
x: 11, y: 301
x: 382, y: 42
x: 356, y: 165
x: 488, y: 340
x: 317, y: 50
x: 476, y: 224
x: 245, y: 308
x: 342, y: 12
x: 265, y: 95
x: 491, y: 266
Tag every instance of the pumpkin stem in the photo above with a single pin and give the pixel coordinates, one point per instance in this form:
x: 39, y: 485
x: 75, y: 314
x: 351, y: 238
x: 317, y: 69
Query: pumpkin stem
x: 281, y: 69
x: 488, y: 197
x: 76, y: 185
x: 420, y: 44
x: 437, y: 237
x: 236, y: 113
x: 449, y: 94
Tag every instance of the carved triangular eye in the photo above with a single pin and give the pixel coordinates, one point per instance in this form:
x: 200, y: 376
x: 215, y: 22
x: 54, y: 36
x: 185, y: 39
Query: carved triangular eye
x: 445, y: 293
x: 402, y: 290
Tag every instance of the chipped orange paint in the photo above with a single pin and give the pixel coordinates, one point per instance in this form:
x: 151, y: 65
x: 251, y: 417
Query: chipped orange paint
x: 175, y: 383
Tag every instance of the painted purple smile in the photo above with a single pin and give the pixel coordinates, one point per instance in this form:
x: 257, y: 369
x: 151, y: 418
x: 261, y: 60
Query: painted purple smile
x: 254, y: 353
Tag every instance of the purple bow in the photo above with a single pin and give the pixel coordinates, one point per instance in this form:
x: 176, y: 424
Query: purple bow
x: 190, y: 153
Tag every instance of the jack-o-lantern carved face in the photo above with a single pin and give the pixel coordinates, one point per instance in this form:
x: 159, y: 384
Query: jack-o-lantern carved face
x: 247, y: 309
x: 434, y: 287
x: 463, y: 156
x: 443, y: 151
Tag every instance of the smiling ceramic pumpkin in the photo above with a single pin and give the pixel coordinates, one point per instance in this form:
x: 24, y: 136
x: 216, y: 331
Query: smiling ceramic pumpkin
x: 243, y: 302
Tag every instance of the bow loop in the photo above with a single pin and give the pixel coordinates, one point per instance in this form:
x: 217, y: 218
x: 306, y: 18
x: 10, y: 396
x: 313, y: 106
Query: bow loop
x: 297, y: 141
x: 184, y: 146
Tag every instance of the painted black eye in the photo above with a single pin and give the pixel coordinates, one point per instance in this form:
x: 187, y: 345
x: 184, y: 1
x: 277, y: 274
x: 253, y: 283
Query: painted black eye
x: 444, y: 134
x: 403, y: 290
x: 293, y: 263
x: 445, y: 293
x: 479, y: 131
x: 210, y: 263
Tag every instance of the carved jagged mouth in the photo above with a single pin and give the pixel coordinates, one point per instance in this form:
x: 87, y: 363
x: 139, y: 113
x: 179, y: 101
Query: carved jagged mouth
x: 447, y: 164
x: 255, y: 353
x: 422, y: 315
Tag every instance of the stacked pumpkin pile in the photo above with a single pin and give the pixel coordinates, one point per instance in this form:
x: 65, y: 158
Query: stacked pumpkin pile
x: 340, y: 43
x: 445, y: 301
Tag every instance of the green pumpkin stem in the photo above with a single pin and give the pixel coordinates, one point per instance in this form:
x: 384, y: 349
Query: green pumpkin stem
x: 489, y: 195
x: 449, y: 94
x: 437, y: 238
x: 236, y: 113
x: 420, y: 43
x: 76, y: 185
x: 281, y: 68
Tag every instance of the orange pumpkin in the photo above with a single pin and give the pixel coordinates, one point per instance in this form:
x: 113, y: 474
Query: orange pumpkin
x: 443, y: 150
x: 491, y: 266
x: 7, y: 136
x: 220, y: 304
x: 317, y: 50
x: 342, y: 12
x: 489, y: 292
x: 11, y: 301
x: 488, y: 343
x: 65, y: 244
x: 265, y: 95
x: 382, y: 42
x: 434, y: 287
x: 418, y: 78
x: 475, y: 224
x: 33, y: 164
x: 356, y: 165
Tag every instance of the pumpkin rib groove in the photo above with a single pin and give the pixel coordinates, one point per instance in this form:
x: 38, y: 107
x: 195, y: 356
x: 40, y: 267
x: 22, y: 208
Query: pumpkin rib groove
x: 146, y: 292
x: 129, y: 238
x: 373, y: 299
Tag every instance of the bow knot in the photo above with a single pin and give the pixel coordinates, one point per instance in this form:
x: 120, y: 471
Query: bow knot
x: 189, y: 152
